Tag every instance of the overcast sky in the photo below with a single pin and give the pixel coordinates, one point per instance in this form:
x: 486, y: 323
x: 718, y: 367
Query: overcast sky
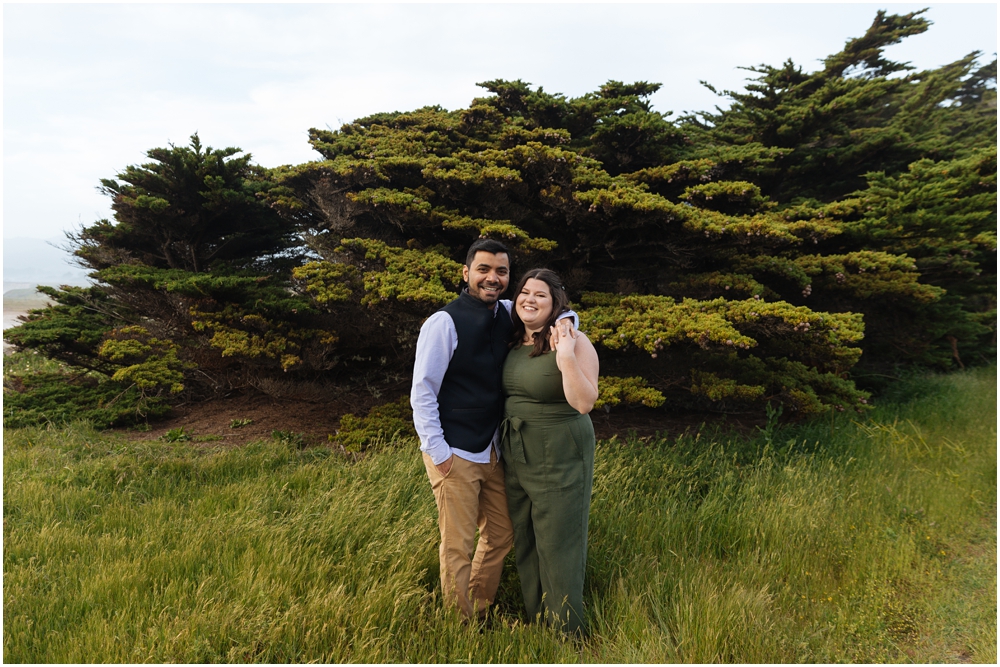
x: 89, y: 88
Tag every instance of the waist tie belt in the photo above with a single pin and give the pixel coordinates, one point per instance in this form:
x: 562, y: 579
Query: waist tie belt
x: 510, y: 436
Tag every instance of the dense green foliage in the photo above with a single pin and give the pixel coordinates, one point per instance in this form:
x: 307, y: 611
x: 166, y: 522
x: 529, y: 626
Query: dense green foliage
x: 826, y: 226
x: 903, y: 167
x: 858, y: 114
x: 196, y: 261
x: 837, y: 542
x: 41, y: 392
x: 190, y: 209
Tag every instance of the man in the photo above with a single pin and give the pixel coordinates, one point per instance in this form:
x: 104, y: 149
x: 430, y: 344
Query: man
x: 457, y: 402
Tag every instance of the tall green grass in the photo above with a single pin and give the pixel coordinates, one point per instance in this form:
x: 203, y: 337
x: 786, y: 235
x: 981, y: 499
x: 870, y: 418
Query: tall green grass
x: 831, y: 541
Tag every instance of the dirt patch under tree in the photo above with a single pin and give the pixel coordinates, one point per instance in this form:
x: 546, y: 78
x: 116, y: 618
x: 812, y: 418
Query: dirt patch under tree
x: 252, y: 415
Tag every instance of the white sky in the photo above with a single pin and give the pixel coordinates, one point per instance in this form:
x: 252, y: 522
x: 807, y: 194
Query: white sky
x: 88, y: 88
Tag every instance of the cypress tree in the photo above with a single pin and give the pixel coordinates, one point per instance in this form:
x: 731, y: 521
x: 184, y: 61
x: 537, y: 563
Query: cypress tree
x: 826, y: 223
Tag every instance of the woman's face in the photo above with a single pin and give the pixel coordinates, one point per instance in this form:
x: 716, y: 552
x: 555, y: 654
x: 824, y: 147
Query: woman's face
x: 534, y: 304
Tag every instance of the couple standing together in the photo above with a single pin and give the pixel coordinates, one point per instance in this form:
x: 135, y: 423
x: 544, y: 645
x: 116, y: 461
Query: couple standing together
x: 500, y: 398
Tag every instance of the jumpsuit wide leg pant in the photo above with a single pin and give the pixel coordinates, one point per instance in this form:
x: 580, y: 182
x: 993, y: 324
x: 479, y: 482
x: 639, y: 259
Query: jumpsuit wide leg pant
x: 549, y: 473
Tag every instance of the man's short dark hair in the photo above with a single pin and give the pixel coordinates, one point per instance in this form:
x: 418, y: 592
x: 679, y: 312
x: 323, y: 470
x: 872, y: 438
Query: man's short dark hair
x: 486, y: 245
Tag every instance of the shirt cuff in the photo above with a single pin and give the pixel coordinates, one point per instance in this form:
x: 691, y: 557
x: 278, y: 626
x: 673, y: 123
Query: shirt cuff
x: 439, y: 453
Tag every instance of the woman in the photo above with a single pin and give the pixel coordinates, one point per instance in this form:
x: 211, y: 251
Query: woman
x: 550, y: 380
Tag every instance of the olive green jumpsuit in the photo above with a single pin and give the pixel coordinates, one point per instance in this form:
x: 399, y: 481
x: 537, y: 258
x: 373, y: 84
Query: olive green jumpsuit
x: 548, y: 453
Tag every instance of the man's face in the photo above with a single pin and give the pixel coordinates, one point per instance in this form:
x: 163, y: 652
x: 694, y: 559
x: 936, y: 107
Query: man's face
x: 488, y: 276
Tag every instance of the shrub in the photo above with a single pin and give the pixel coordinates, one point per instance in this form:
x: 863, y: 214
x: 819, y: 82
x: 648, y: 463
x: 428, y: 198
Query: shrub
x: 382, y: 424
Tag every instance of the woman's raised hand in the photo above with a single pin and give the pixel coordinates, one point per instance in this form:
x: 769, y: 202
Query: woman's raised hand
x: 562, y: 340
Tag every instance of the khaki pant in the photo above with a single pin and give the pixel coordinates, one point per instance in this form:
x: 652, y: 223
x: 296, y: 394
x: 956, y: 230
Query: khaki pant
x: 471, y: 496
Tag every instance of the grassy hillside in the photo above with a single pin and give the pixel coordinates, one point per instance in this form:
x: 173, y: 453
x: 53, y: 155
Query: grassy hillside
x: 833, y: 541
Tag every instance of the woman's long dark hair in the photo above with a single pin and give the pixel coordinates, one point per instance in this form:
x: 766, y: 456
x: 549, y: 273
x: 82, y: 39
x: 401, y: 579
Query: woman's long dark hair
x: 560, y: 304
